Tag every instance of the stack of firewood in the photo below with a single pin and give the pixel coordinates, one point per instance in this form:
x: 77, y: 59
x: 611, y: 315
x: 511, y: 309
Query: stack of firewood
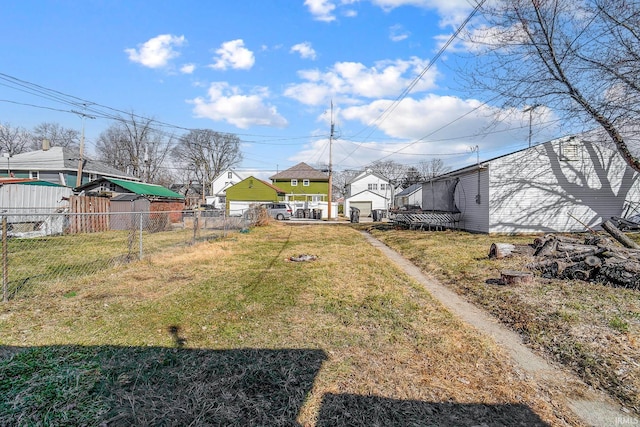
x: 597, y: 258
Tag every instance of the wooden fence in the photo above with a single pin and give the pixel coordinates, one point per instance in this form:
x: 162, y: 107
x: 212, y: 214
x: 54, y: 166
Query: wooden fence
x: 80, y: 223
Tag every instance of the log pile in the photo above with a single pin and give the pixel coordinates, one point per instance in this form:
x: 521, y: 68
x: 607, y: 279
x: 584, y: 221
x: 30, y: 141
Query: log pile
x: 597, y: 258
x: 612, y: 259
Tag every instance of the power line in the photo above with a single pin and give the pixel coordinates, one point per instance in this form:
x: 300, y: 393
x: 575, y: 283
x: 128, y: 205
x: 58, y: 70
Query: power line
x: 385, y: 114
x: 105, y: 112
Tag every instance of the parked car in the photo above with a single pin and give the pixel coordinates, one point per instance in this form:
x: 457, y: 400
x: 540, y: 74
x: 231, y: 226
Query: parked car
x: 279, y: 211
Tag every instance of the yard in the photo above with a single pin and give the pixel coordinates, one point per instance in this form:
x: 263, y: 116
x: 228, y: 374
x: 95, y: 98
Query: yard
x: 591, y: 328
x: 229, y: 332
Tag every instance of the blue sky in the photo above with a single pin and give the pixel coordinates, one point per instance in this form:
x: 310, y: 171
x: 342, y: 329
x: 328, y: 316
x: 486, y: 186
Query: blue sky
x: 265, y: 70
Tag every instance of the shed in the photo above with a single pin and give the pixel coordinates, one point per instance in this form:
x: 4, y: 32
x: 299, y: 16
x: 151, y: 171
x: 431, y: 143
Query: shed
x: 34, y: 206
x: 159, y: 198
x: 126, y: 210
x: 558, y: 186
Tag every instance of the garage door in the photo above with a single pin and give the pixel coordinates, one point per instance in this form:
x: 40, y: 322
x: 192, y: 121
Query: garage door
x: 365, y: 207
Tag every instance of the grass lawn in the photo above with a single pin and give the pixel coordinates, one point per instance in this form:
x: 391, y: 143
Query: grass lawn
x: 591, y: 328
x: 231, y: 333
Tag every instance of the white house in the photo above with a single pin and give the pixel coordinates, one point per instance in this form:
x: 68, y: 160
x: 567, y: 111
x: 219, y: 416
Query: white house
x: 367, y: 191
x: 410, y: 196
x: 564, y: 185
x: 219, y: 187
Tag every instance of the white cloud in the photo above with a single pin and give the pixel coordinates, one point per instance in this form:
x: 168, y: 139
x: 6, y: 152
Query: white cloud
x: 415, y: 118
x: 350, y: 13
x: 431, y: 127
x: 157, y: 51
x: 398, y: 33
x: 434, y: 126
x: 188, y: 68
x: 227, y: 103
x: 448, y: 123
x: 305, y: 50
x: 233, y: 54
x: 322, y: 10
x: 451, y: 12
x: 353, y: 79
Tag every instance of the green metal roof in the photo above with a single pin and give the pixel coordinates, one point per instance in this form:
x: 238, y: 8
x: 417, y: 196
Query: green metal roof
x: 146, y: 189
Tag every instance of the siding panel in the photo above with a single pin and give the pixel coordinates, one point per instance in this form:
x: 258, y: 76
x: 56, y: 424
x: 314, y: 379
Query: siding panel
x: 474, y: 216
x: 538, y: 190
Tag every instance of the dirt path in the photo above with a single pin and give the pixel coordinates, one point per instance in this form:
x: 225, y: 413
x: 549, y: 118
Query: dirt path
x: 594, y: 408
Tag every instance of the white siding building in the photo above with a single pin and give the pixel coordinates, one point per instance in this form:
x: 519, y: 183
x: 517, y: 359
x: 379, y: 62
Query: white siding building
x: 368, y: 191
x: 410, y: 196
x: 558, y: 186
x: 219, y: 187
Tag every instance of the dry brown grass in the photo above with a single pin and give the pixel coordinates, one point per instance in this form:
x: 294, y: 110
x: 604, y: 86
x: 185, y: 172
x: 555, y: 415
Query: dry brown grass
x: 229, y: 332
x: 591, y: 328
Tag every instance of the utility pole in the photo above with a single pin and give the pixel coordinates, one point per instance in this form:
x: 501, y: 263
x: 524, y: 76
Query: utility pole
x: 530, y: 110
x: 330, y: 195
x: 81, y: 160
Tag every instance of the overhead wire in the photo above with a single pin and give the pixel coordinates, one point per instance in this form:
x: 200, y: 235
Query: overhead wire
x: 385, y: 114
x: 105, y: 112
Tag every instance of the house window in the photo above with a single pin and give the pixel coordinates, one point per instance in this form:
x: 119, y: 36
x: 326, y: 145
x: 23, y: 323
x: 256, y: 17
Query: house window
x: 34, y: 175
x: 383, y: 187
x: 305, y: 182
x: 229, y: 175
x: 570, y: 151
x: 372, y: 187
x: 294, y: 182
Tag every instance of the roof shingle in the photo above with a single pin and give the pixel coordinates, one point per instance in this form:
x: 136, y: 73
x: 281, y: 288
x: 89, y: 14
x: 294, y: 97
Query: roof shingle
x: 300, y: 171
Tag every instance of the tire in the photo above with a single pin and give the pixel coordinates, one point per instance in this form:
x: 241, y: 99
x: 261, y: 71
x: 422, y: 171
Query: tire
x: 280, y: 217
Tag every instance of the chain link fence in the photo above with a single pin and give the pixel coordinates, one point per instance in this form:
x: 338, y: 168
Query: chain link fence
x: 39, y: 248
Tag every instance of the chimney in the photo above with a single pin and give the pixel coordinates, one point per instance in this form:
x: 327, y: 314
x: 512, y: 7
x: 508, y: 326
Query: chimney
x: 45, y: 144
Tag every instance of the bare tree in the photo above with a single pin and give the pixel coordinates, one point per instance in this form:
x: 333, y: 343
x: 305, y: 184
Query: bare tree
x: 390, y: 169
x: 134, y: 145
x: 432, y: 168
x: 580, y: 59
x: 57, y: 135
x: 411, y: 176
x: 340, y: 180
x: 13, y: 140
x: 205, y: 154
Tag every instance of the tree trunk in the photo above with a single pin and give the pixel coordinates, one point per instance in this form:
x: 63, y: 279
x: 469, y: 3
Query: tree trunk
x: 500, y: 250
x: 512, y: 277
x: 503, y: 250
x: 610, y: 228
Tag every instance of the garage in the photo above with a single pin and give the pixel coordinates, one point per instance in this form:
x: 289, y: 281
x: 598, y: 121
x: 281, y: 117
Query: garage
x: 365, y: 207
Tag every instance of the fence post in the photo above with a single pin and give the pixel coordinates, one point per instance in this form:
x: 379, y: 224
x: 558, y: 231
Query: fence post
x: 224, y: 224
x: 196, y: 218
x: 140, y: 256
x: 5, y: 261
